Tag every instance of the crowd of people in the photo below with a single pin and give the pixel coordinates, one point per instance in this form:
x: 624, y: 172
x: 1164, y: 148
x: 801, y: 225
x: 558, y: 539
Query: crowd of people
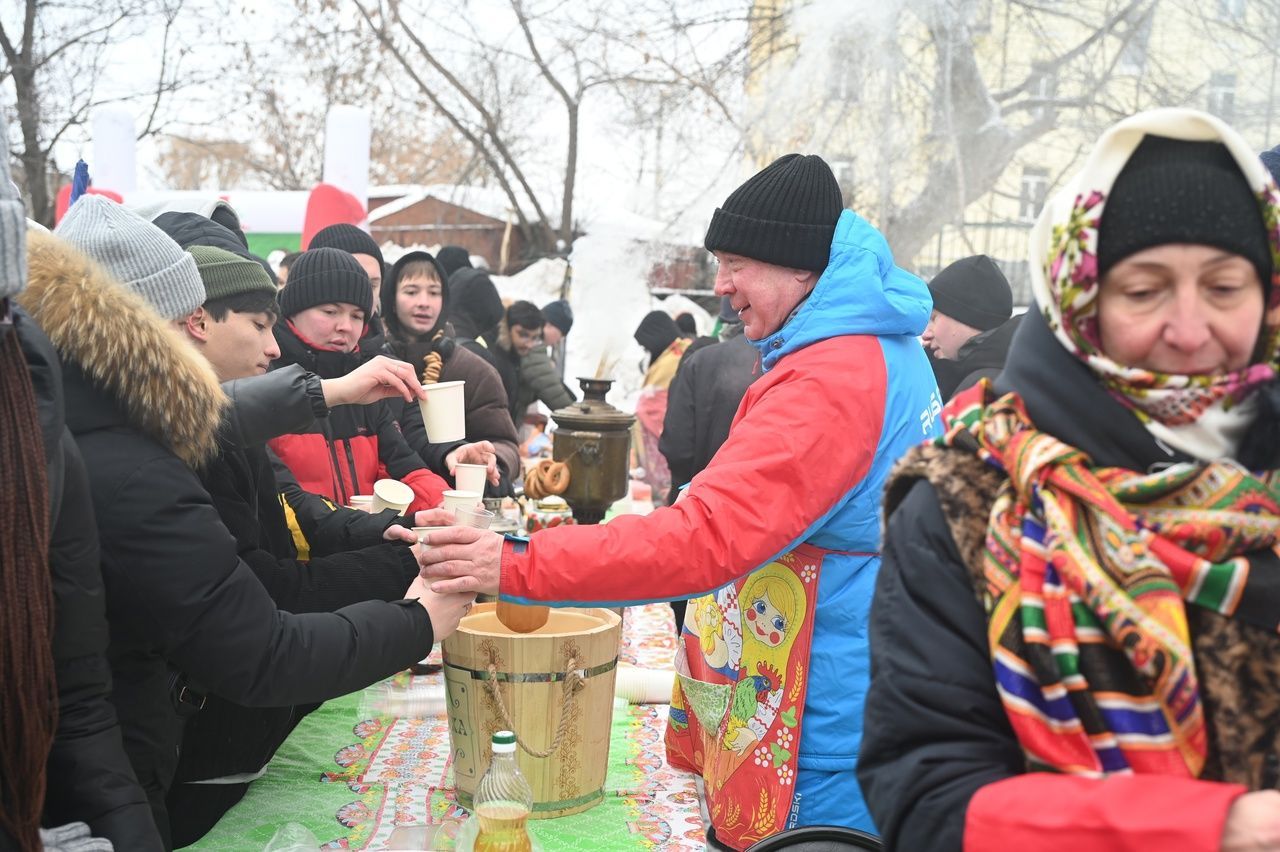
x: 947, y: 574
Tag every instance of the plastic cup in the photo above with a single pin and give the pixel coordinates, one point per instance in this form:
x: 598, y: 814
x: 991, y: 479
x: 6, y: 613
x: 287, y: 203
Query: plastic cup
x: 455, y: 500
x: 473, y: 517
x: 361, y: 502
x: 470, y: 477
x: 444, y: 412
x: 391, y: 494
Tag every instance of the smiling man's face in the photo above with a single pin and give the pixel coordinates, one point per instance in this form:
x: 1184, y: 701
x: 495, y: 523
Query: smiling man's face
x: 764, y: 295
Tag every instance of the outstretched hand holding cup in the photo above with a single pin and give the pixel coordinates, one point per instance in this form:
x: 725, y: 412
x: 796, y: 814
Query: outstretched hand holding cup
x: 445, y: 610
x: 462, y: 560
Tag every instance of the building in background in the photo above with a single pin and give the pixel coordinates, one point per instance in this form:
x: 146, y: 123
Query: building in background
x: 1054, y: 74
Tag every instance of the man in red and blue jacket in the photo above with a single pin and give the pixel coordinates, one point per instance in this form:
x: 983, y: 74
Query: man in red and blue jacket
x: 780, y: 534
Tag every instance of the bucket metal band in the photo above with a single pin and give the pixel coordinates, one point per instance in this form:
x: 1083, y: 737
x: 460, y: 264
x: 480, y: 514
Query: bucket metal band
x: 597, y: 795
x: 534, y: 677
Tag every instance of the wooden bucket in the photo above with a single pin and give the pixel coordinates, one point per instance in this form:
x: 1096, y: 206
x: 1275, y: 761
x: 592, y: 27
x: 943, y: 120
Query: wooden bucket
x: 497, y: 680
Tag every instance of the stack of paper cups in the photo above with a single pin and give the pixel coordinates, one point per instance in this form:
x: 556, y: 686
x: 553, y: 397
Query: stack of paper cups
x: 644, y: 686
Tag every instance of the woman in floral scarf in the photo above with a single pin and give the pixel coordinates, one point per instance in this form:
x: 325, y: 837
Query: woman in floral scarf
x: 1074, y: 637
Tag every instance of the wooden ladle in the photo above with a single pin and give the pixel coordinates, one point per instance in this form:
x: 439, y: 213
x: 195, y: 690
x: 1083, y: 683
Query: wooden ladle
x: 522, y: 619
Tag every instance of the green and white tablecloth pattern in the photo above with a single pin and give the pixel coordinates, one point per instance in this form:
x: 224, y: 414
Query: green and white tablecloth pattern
x: 351, y: 781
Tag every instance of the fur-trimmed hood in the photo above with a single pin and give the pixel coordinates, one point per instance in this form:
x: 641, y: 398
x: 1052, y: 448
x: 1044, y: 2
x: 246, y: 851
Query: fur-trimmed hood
x: 163, y: 386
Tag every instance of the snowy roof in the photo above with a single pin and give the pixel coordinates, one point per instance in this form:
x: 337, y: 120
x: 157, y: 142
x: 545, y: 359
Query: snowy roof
x: 487, y: 201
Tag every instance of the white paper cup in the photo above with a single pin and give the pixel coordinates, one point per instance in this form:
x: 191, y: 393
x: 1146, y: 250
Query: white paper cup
x: 420, y: 532
x: 461, y: 500
x: 361, y: 502
x: 391, y: 494
x: 444, y: 412
x: 471, y: 477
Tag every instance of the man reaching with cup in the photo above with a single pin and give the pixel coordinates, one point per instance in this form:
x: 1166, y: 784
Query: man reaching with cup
x: 780, y: 533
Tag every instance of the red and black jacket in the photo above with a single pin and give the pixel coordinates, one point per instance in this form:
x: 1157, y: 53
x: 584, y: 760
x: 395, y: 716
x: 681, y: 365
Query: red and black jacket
x: 356, y: 445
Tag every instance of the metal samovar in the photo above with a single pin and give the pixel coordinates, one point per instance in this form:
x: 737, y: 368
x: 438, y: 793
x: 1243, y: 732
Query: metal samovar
x: 594, y: 439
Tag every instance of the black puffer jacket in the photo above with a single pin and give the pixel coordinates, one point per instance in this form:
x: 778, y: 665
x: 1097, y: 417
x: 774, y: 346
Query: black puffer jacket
x: 983, y: 356
x: 225, y: 738
x: 935, y: 729
x: 187, y: 615
x: 89, y: 776
x: 701, y: 403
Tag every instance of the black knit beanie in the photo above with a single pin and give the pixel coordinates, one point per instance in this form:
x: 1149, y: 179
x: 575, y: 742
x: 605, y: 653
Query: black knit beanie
x: 476, y: 297
x: 656, y: 332
x: 348, y: 238
x: 321, y: 276
x: 1175, y: 191
x: 973, y: 291
x: 785, y: 215
x: 559, y: 314
x: 453, y: 258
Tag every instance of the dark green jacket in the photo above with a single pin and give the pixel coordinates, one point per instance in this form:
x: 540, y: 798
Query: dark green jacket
x: 539, y: 381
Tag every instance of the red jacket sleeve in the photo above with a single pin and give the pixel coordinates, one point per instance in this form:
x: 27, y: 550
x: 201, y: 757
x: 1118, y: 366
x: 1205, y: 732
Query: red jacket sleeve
x: 1120, y: 813
x: 805, y: 436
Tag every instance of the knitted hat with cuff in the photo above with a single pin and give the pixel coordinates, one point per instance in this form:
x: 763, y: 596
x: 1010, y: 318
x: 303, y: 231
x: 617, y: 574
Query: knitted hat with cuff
x: 1182, y: 191
x: 13, y: 228
x: 973, y: 291
x: 323, y: 276
x: 136, y: 253
x: 225, y: 274
x: 784, y: 215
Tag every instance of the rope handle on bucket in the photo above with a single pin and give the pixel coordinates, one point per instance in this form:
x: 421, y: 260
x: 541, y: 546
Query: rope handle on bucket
x: 572, y: 683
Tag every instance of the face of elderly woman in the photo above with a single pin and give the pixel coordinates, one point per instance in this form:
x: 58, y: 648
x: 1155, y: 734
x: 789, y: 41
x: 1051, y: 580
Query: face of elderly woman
x: 1181, y: 309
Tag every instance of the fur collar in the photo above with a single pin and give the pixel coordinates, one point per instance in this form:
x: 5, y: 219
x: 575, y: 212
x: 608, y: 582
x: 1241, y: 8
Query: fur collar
x: 164, y: 386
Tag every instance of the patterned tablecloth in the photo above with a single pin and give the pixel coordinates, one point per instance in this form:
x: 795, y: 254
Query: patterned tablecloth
x: 351, y: 780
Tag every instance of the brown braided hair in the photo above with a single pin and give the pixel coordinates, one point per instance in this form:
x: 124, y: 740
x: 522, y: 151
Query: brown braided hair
x: 28, y: 692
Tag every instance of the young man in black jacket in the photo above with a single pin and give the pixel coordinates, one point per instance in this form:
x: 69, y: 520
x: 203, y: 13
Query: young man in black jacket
x: 188, y: 616
x: 225, y: 743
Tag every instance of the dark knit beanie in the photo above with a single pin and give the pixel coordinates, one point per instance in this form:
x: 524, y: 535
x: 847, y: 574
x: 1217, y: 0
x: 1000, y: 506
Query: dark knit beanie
x: 453, y: 258
x: 1175, y: 191
x: 656, y: 332
x: 476, y: 297
x: 785, y: 215
x: 559, y: 314
x: 1271, y: 159
x: 322, y: 276
x: 225, y: 274
x: 973, y: 291
x: 348, y: 238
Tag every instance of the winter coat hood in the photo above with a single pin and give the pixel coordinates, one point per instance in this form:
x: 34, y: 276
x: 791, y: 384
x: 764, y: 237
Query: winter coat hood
x: 860, y: 292
x: 477, y: 307
x: 162, y: 385
x: 388, y: 296
x: 192, y: 229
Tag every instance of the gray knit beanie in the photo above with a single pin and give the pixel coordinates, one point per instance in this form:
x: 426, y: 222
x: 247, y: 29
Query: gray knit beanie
x: 136, y: 253
x: 13, y: 227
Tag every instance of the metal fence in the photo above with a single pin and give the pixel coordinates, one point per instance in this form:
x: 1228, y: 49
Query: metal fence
x: 1004, y: 242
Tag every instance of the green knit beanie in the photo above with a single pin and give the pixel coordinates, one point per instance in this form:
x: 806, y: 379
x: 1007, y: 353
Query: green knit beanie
x: 225, y: 274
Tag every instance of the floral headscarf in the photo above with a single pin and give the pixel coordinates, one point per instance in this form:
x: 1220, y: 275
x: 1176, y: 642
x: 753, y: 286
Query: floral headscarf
x: 1204, y: 416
